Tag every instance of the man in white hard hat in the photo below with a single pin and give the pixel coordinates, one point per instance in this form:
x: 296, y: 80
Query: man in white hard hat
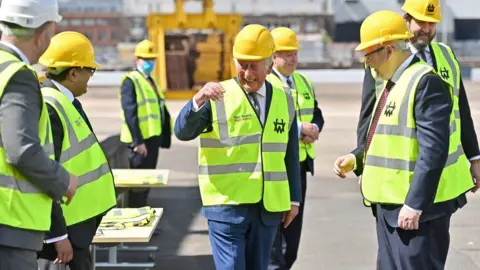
x: 30, y: 179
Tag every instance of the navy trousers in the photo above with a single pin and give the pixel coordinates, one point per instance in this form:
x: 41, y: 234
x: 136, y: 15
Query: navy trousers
x: 425, y: 248
x: 287, y: 240
x: 242, y: 246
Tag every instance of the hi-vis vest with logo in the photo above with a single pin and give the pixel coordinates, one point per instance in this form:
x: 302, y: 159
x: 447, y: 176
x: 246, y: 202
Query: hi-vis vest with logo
x: 148, y: 108
x: 388, y: 173
x: 22, y: 204
x: 82, y: 156
x: 304, y: 100
x: 448, y: 69
x: 240, y: 160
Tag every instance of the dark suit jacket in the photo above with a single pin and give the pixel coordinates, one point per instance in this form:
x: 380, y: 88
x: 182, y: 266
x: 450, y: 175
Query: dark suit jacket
x: 433, y: 105
x: 129, y: 104
x: 320, y: 122
x: 80, y: 234
x: 190, y: 124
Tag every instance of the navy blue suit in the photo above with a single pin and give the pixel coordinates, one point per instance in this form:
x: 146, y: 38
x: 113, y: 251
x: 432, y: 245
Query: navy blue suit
x: 287, y: 240
x: 427, y: 247
x: 241, y: 236
x: 138, y: 197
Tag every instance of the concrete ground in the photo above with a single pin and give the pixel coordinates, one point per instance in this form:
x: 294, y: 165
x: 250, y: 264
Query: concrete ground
x: 338, y: 231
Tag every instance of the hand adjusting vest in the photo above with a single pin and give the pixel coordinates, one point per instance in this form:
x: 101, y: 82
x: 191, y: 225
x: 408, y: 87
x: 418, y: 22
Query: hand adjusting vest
x: 242, y: 161
x: 388, y: 173
x: 304, y: 100
x: 22, y: 204
x: 82, y: 156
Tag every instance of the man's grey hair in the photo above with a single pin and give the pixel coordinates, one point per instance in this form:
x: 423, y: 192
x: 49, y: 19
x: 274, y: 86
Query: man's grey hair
x: 401, y: 45
x: 268, y: 61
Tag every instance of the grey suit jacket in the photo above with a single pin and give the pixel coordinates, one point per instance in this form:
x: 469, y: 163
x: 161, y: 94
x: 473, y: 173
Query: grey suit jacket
x: 20, y: 109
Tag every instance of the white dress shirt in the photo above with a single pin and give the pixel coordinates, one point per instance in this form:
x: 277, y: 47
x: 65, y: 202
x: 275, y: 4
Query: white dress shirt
x: 284, y: 80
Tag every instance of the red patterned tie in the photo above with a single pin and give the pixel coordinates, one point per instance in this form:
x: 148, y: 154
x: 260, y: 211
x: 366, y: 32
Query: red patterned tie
x: 378, y: 112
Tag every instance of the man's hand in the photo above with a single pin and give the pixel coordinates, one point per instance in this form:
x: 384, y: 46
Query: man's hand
x: 475, y: 170
x: 72, y: 188
x: 309, y: 132
x: 64, y: 251
x: 141, y: 149
x: 211, y: 90
x: 344, y: 165
x: 408, y: 219
x: 288, y: 217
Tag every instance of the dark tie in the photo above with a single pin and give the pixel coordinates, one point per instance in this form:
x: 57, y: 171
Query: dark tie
x: 76, y: 103
x: 160, y: 100
x: 378, y: 112
x: 422, y: 55
x: 289, y: 82
x: 254, y: 101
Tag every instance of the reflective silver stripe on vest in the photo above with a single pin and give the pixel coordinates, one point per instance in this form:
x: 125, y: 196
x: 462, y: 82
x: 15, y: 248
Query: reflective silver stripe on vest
x: 451, y: 63
x: 77, y: 147
x: 140, y: 90
x: 404, y: 165
x: 24, y: 186
x: 145, y: 118
x: 403, y: 130
x: 308, y: 111
x: 242, y: 168
x: 291, y: 104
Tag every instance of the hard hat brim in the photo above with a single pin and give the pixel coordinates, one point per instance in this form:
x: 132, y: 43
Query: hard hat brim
x: 421, y: 17
x: 147, y: 55
x: 363, y: 46
x: 287, y: 48
x: 248, y: 57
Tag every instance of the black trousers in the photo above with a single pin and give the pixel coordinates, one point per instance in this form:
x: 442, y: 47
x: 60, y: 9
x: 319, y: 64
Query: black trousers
x: 287, y: 240
x: 138, y: 197
x: 425, y: 248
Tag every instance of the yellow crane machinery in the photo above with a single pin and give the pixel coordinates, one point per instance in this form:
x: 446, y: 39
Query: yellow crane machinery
x: 192, y: 48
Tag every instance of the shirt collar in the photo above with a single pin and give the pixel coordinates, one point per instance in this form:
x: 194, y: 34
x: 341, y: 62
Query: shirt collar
x: 17, y: 50
x: 415, y: 50
x: 64, y: 90
x: 262, y: 91
x: 402, y: 68
x: 283, y: 78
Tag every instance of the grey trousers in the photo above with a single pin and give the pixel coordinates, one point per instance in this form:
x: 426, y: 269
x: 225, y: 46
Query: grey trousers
x: 14, y: 259
x: 49, y: 265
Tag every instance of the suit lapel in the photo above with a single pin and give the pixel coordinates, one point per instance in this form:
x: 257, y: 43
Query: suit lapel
x: 434, y: 61
x: 268, y: 98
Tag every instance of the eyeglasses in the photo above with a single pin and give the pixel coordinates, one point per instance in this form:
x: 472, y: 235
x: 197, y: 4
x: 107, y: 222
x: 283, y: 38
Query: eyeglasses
x: 365, y: 57
x: 92, y: 70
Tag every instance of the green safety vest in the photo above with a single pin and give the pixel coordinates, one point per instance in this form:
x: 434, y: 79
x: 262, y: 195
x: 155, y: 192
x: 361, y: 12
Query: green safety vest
x: 82, y: 156
x: 22, y: 204
x: 304, y: 100
x: 148, y: 109
x: 240, y: 160
x: 387, y: 174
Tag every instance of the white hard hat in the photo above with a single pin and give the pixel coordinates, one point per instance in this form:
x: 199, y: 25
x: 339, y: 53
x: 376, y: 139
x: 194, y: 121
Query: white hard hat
x: 29, y: 13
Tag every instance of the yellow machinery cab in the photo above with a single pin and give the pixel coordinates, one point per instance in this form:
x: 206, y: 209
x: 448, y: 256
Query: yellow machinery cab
x: 192, y: 48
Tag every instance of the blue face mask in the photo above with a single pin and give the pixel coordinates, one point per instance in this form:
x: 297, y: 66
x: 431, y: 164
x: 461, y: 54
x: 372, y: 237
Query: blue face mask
x: 147, y: 66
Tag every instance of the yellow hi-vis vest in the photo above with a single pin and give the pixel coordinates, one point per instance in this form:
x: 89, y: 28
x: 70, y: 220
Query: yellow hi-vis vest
x: 22, y: 204
x: 304, y: 100
x: 82, y: 156
x: 240, y: 160
x: 148, y: 108
x: 391, y: 158
x: 449, y: 70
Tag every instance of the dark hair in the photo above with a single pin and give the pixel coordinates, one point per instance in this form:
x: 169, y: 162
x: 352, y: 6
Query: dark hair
x: 58, y: 77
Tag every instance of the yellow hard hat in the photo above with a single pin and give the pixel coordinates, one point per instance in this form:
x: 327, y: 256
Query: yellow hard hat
x: 69, y: 49
x: 423, y: 10
x: 382, y: 26
x: 145, y: 49
x: 285, y: 39
x: 253, y: 42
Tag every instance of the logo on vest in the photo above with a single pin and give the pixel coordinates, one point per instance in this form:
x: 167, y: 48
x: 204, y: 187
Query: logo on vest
x: 242, y: 117
x: 306, y: 95
x: 78, y: 122
x: 279, y: 126
x: 444, y: 73
x: 430, y: 9
x: 390, y: 108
